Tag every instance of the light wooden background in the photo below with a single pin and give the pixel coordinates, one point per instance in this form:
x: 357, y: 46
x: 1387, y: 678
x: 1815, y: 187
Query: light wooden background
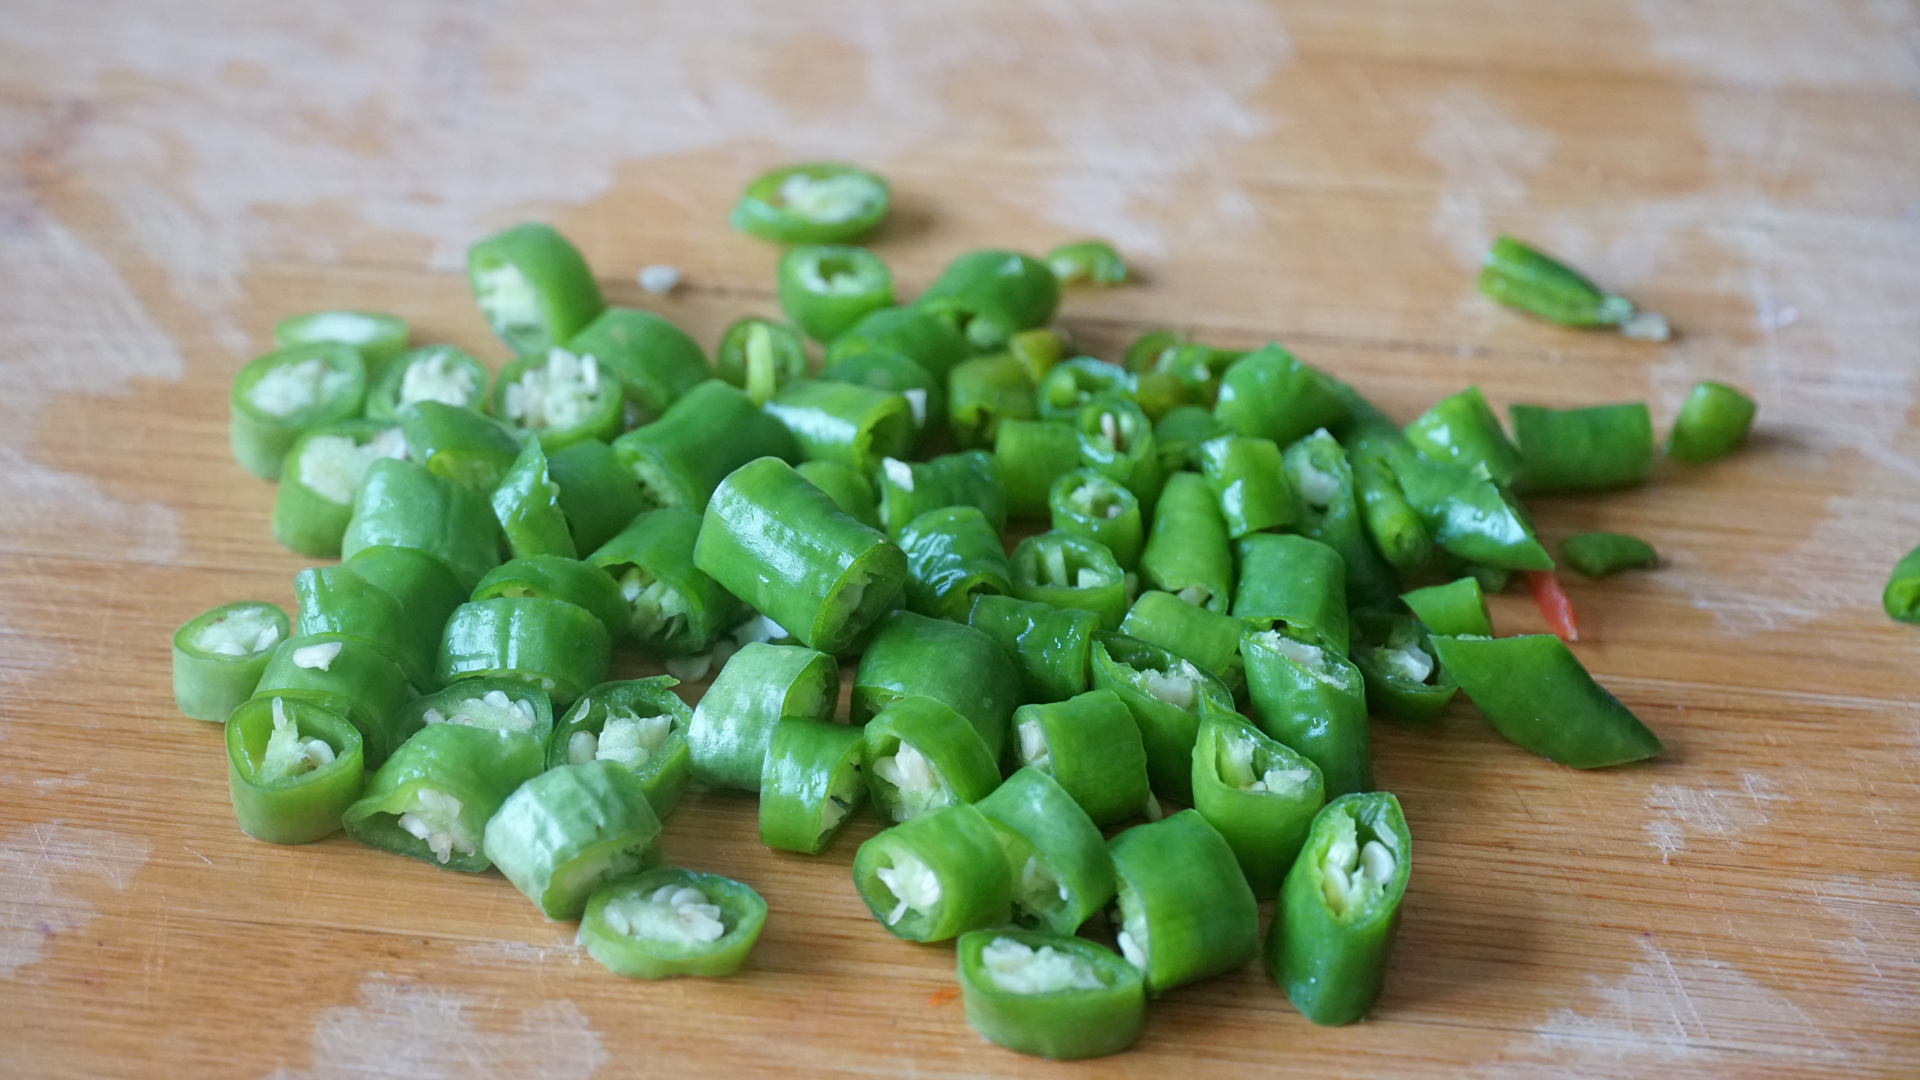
x: 175, y: 177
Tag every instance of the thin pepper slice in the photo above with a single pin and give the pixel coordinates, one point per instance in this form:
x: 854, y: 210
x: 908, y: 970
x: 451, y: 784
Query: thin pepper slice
x: 347, y: 677
x: 314, y: 501
x: 951, y: 662
x: 936, y: 876
x: 1520, y: 277
x: 458, y: 444
x: 1050, y: 646
x: 1050, y: 995
x: 1168, y: 695
x: 849, y: 490
x: 1070, y: 384
x: 495, y: 704
x: 667, y: 923
x: 1462, y: 430
x: 892, y: 373
x: 1184, y: 909
x: 1466, y: 513
x: 1554, y: 604
x: 1039, y: 349
x: 1405, y: 680
x: 560, y: 397
x: 812, y: 783
x: 1207, y: 638
x: 921, y: 756
x: 638, y: 723
x: 1144, y: 351
x: 714, y: 429
x: 1158, y: 393
x: 559, y: 647
x: 1061, y: 873
x: 439, y: 373
x: 566, y: 832
x: 219, y: 656
x: 1457, y: 608
x: 1250, y: 482
x: 760, y: 686
x: 1900, y: 599
x: 1598, y: 554
x: 1270, y: 394
x: 953, y: 555
x: 1314, y: 701
x: 432, y: 798
x: 378, y: 336
x: 990, y: 295
x: 1030, y: 456
x: 1187, y: 552
x: 527, y: 505
x: 925, y: 339
x: 425, y: 589
x: 337, y: 600
x: 812, y: 203
x: 1199, y: 368
x: 911, y: 488
x: 1322, y: 473
x: 1259, y: 795
x: 1397, y: 531
x: 854, y: 425
x: 1293, y: 581
x: 293, y: 768
x: 1573, y: 450
x: 826, y: 288
x: 1116, y: 440
x: 598, y: 495
x: 1340, y: 909
x: 400, y: 504
x: 1712, y: 423
x: 1091, y: 505
x: 983, y: 393
x: 278, y: 397
x: 1093, y: 262
x: 1091, y: 747
x: 779, y: 544
x: 533, y: 286
x: 1069, y: 571
x: 760, y: 356
x: 1534, y: 691
x: 671, y: 606
x: 656, y: 361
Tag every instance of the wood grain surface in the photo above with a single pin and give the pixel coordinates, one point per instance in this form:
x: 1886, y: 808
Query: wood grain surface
x: 176, y: 177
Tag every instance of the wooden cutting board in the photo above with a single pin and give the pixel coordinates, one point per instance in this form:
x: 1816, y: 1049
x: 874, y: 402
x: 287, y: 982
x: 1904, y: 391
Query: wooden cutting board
x: 177, y: 177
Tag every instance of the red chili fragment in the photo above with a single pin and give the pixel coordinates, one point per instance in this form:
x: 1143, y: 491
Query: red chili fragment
x: 1554, y: 606
x: 943, y: 995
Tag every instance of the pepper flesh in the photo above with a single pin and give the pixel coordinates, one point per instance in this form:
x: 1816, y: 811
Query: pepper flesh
x: 655, y: 361
x: 1050, y: 646
x: 1187, y: 552
x: 760, y: 686
x: 1712, y: 423
x: 1536, y: 693
x: 714, y: 429
x: 432, y: 798
x: 1260, y: 796
x: 559, y: 647
x: 953, y: 663
x: 1168, y: 697
x: 1061, y: 873
x: 1574, y: 450
x: 1457, y: 608
x: 921, y: 756
x: 278, y: 397
x: 1185, y: 910
x: 811, y: 784
x: 1090, y: 505
x: 937, y: 876
x: 826, y: 288
x: 1901, y: 598
x: 953, y: 555
x: 1313, y: 700
x: 667, y: 923
x: 1340, y: 909
x: 1093, y: 262
x: 672, y: 607
x: 533, y: 286
x: 1030, y: 456
x: 293, y: 768
x: 219, y: 656
x: 1598, y: 554
x: 565, y: 832
x: 811, y: 203
x: 1069, y: 571
x: 1050, y: 995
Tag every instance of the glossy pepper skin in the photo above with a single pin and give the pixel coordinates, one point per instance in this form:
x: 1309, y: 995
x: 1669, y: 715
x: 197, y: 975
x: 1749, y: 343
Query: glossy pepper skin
x: 262, y: 428
x: 1573, y: 450
x: 1712, y: 423
x: 1536, y: 693
x: 1031, y: 456
x: 1116, y: 441
x: 378, y: 336
x: 1395, y: 528
x: 623, y: 949
x: 760, y: 356
x: 1250, y: 484
x: 1184, y: 907
x: 1050, y: 646
x: 1269, y: 394
x: 559, y: 647
x: 1097, y: 508
x: 290, y: 806
x: 527, y: 505
x: 853, y: 425
x: 598, y: 495
x: 849, y: 490
x: 400, y: 504
x: 1092, y: 262
x: 656, y: 361
x: 1180, y: 434
x: 673, y: 607
x: 1404, y: 679
x: 1330, y: 955
x: 555, y: 577
x: 528, y: 710
x: 1061, y: 873
x: 1069, y: 1024
x: 911, y: 488
x: 1462, y: 430
x: 354, y: 681
x: 1069, y: 571
x: 474, y: 767
x: 533, y: 287
x: 1040, y: 350
x: 826, y: 288
x: 1168, y: 696
x: 1598, y: 554
x: 425, y: 589
x: 953, y: 663
x: 714, y: 429
x: 209, y: 683
x: 985, y: 392
x: 1321, y: 472
x: 457, y: 444
x: 1313, y: 700
x: 958, y: 846
x: 1187, y: 552
x: 1209, y: 639
x: 1201, y: 369
x: 822, y: 202
x: 337, y: 600
x: 990, y: 295
x: 664, y: 767
x: 567, y: 831
x: 311, y: 519
x: 1468, y: 515
x: 960, y: 768
x: 1090, y: 745
x: 812, y: 783
x: 1900, y: 599
x: 953, y: 556
x: 1260, y: 796
x: 1296, y: 581
x: 1069, y: 385
x: 1457, y: 608
x: 923, y: 338
x: 760, y: 686
x: 1520, y: 277
x: 892, y: 373
x: 445, y: 376
x: 779, y: 544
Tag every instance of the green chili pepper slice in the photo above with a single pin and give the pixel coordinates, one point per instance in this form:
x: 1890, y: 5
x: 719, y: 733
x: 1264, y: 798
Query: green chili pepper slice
x: 1145, y: 351
x: 760, y: 356
x: 432, y: 798
x: 826, y: 288
x: 293, y: 768
x: 1466, y: 513
x: 1321, y: 472
x: 533, y: 287
x: 425, y: 589
x: 1030, y: 455
x: 337, y: 600
x: 314, y: 502
x: 1397, y: 531
x: 814, y: 203
x: 1039, y: 350
x: 666, y: 923
x: 560, y: 397
x: 1405, y: 680
x: 1536, y: 693
x: 1116, y: 440
x: 1158, y: 393
x: 400, y: 504
x: 1187, y: 552
x: 1901, y: 598
x: 1168, y: 695
x: 953, y: 555
x: 527, y: 505
x: 925, y: 339
x: 1058, y: 859
x: 1091, y: 747
x: 1520, y: 277
x: 1207, y: 638
x: 936, y: 876
x: 991, y: 295
x: 681, y: 458
x: 1251, y: 484
x: 673, y: 607
x: 1071, y: 384
x: 1260, y: 796
x: 922, y: 755
x: 1462, y: 430
x: 1184, y: 910
x: 1340, y: 909
x: 1313, y: 700
x: 1573, y: 450
x: 1180, y: 434
x: 1201, y: 369
x: 278, y: 397
x: 439, y: 373
x: 985, y: 392
x: 598, y: 495
x: 1457, y: 608
x: 566, y: 832
x: 555, y: 577
x: 458, y: 444
x: 892, y: 373
x: 1598, y: 554
x: 506, y: 705
x: 1712, y: 423
x: 378, y: 336
x: 1050, y: 646
x: 760, y: 686
x: 1049, y: 995
x: 1093, y: 262
x: 559, y: 647
x: 219, y: 656
x: 950, y: 662
x: 854, y: 425
x: 656, y: 361
x: 638, y: 723
x: 1296, y: 581
x: 1069, y: 571
x: 1096, y: 507
x: 1269, y: 394
x: 347, y: 677
x: 851, y: 491
x: 812, y: 783
x: 911, y: 488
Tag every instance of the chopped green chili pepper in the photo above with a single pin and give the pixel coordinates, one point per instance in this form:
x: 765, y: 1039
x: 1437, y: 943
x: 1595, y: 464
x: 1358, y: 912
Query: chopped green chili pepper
x: 219, y: 656
x: 533, y: 287
x: 378, y: 336
x: 1072, y: 383
x: 921, y: 756
x: 571, y: 829
x: 656, y: 361
x: 1145, y: 351
x: 811, y: 784
x: 432, y: 798
x: 1405, y: 680
x: 1088, y: 504
x: 315, y: 498
x: 1158, y: 393
x: 1397, y: 531
x: 559, y: 647
x: 1187, y: 552
x: 1168, y: 695
x: 1597, y: 554
x: 1050, y: 646
x: 292, y: 768
x: 638, y: 723
x: 937, y: 876
x: 1535, y: 692
x: 438, y: 373
x: 892, y: 373
x: 1091, y: 747
x: 925, y: 339
x: 1260, y: 796
x: 1340, y: 909
x: 760, y: 356
x: 1251, y: 484
x: 911, y: 488
x: 555, y: 577
x: 1520, y: 277
x: 1712, y: 423
x: 1184, y: 910
x: 826, y: 288
x: 400, y: 504
x: 983, y: 393
x: 337, y: 600
x: 1207, y: 638
x: 1901, y: 598
x: 950, y: 662
x: 1069, y: 571
x: 598, y: 495
x: 278, y: 397
x: 666, y: 923
x: 458, y: 444
x: 953, y: 555
x: 425, y: 589
x: 527, y: 505
x: 1296, y: 581
x: 1116, y: 440
x: 760, y: 686
x: 851, y: 491
x: 1592, y: 449
x: 348, y: 678
x: 991, y: 295
x: 673, y: 607
x: 1091, y: 261
x: 854, y: 425
x: 1313, y: 700
x: 1061, y: 873
x: 1269, y: 394
x: 779, y: 544
x: 1050, y: 995
x: 1029, y: 456
x: 1462, y: 430
x: 1458, y: 608
x: 496, y: 704
x: 713, y: 430
x: 1320, y: 471
x: 1466, y: 513
x: 815, y: 203
x: 1039, y: 349
x: 1180, y: 434
x: 560, y: 397
x: 1201, y: 370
